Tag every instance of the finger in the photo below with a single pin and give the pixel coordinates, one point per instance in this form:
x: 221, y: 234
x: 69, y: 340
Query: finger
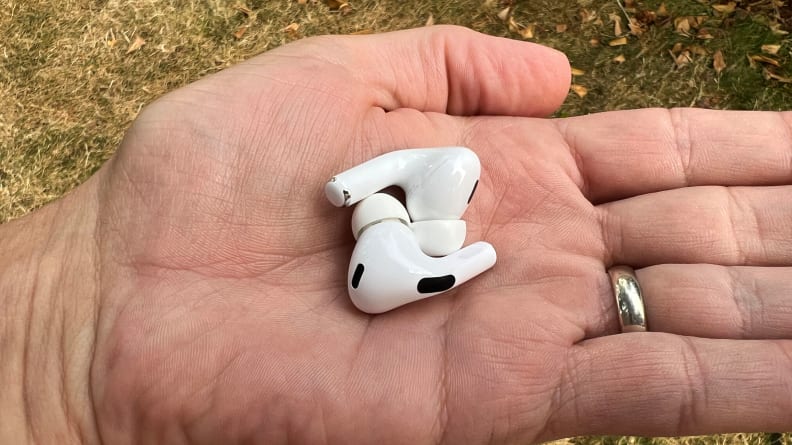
x: 660, y: 384
x: 718, y: 302
x: 718, y: 225
x: 629, y: 153
x: 705, y: 300
x: 459, y: 71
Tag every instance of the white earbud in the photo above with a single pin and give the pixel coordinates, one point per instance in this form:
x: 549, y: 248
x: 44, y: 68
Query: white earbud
x: 436, y: 238
x: 438, y: 182
x: 388, y: 268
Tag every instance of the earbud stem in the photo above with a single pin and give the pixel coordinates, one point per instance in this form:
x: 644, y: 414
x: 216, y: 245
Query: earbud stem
x: 351, y: 186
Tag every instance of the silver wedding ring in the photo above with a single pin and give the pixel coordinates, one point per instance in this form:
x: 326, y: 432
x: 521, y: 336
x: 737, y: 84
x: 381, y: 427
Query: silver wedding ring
x: 629, y: 301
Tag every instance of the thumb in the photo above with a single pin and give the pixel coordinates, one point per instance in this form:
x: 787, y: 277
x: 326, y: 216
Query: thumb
x: 455, y: 70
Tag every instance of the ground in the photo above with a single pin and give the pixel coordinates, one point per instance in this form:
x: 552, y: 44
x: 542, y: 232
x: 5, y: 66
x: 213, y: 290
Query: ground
x: 75, y: 73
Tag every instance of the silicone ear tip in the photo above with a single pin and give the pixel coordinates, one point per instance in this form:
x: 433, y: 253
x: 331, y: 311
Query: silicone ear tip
x: 440, y: 237
x: 335, y: 193
x: 375, y: 208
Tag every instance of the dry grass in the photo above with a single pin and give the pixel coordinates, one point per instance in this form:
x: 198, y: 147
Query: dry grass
x: 68, y: 88
x: 720, y: 439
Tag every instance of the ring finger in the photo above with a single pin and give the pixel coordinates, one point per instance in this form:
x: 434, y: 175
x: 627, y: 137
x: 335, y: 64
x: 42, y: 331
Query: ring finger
x: 705, y: 300
x: 727, y: 227
x: 719, y: 302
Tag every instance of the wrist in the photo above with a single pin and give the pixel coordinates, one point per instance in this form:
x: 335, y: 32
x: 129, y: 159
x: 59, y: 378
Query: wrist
x: 49, y: 306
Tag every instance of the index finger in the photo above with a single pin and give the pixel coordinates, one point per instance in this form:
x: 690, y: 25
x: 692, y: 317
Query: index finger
x: 628, y: 153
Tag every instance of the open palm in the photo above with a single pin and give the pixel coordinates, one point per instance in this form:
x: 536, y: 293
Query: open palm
x: 225, y: 316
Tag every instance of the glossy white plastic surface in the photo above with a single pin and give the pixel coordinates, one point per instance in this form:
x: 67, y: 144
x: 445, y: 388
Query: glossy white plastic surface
x: 440, y: 237
x: 438, y: 182
x: 388, y: 266
x: 437, y: 237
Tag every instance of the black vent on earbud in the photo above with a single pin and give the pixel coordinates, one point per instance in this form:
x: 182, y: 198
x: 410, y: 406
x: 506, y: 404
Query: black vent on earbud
x: 357, y: 275
x: 436, y: 284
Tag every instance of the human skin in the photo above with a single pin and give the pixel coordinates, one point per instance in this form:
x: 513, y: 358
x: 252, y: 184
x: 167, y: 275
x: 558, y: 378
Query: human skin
x: 194, y: 289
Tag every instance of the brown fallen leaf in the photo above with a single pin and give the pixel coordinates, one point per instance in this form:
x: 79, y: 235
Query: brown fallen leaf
x: 683, y: 59
x: 662, y: 11
x: 619, y: 59
x: 709, y: 102
x: 697, y: 50
x: 697, y: 20
x: 512, y: 24
x: 580, y: 90
x: 302, y: 2
x: 292, y: 28
x: 333, y: 4
x: 718, y: 62
x: 345, y: 8
x: 682, y: 25
x: 594, y: 42
x: 430, y: 20
x: 725, y: 9
x: 676, y: 49
x: 561, y: 27
x: 617, y: 23
x: 771, y: 75
x: 577, y: 72
x: 636, y: 28
x: 504, y: 13
x: 645, y: 18
x: 618, y: 42
x: 776, y: 28
x: 763, y: 59
x: 136, y: 45
x: 528, y: 31
x: 243, y: 9
x: 240, y: 32
x: 587, y: 16
x: 771, y: 49
x: 704, y: 34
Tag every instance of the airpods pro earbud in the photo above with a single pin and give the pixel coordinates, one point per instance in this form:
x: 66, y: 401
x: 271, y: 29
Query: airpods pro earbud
x: 407, y: 254
x: 436, y: 238
x: 438, y: 182
x: 388, y: 268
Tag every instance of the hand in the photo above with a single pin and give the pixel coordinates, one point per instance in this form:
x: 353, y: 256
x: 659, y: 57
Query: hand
x: 223, y: 312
